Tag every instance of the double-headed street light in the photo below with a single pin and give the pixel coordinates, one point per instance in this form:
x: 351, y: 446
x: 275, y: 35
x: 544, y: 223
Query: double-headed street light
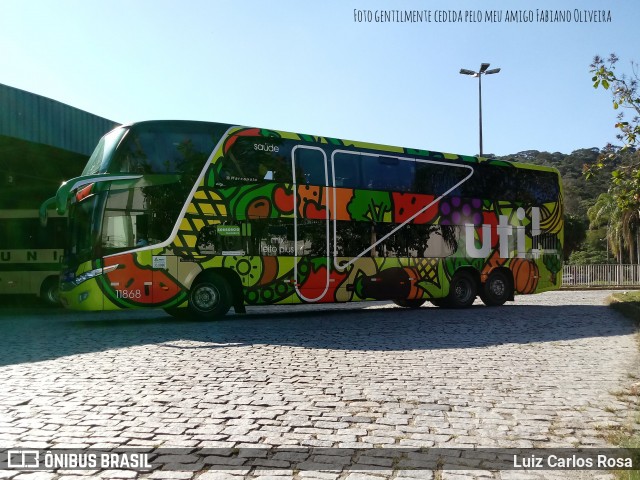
x: 484, y: 70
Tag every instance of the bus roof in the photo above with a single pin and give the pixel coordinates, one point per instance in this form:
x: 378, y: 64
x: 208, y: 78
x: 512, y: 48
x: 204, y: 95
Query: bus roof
x: 336, y: 141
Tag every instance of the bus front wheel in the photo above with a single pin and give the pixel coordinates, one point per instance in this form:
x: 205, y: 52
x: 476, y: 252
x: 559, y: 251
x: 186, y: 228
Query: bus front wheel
x: 210, y: 297
x: 462, y: 290
x: 496, y: 290
x: 49, y: 292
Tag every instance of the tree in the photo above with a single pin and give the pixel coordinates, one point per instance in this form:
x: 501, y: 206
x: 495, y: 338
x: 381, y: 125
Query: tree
x: 630, y: 220
x: 575, y: 232
x: 623, y: 209
x: 588, y: 256
x: 626, y: 159
x: 605, y: 213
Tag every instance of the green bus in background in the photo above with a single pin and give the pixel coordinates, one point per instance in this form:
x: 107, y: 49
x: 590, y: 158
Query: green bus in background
x: 197, y: 217
x: 30, y: 256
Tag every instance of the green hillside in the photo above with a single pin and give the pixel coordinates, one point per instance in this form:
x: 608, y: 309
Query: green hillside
x: 579, y: 195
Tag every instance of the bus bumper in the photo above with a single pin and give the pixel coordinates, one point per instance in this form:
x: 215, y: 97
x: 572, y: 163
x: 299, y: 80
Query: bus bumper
x: 86, y: 296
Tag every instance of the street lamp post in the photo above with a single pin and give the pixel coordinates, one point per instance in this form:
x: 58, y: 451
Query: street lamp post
x: 483, y: 71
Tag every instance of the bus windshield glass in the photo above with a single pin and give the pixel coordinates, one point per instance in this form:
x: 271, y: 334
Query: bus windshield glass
x: 82, y: 231
x: 99, y: 160
x: 115, y: 218
x: 159, y: 149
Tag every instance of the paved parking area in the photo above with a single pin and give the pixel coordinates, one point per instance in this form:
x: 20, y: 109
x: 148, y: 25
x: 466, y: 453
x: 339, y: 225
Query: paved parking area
x: 546, y: 371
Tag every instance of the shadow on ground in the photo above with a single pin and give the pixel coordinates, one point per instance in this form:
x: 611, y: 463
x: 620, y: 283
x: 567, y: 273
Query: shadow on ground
x: 31, y: 335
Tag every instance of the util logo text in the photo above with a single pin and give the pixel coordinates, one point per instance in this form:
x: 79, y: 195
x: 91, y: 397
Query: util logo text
x: 504, y: 230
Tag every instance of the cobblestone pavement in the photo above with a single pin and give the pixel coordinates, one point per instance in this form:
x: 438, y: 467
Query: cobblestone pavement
x: 545, y: 371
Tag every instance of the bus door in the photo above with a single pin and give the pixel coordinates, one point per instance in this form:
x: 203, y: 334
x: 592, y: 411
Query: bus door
x: 311, y: 223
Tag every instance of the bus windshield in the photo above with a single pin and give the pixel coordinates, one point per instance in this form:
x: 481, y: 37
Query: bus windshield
x: 111, y: 217
x: 101, y: 156
x: 83, y: 217
x: 118, y: 219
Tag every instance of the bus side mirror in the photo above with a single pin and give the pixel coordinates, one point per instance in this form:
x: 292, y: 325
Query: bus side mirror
x: 43, y: 210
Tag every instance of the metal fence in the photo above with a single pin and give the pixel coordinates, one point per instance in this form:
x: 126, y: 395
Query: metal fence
x: 600, y: 275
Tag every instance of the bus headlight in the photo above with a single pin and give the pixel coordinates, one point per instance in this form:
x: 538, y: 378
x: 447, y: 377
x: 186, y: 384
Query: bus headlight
x: 94, y: 273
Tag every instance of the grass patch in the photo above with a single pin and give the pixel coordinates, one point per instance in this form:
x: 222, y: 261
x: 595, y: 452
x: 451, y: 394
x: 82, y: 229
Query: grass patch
x: 627, y: 303
x: 632, y: 443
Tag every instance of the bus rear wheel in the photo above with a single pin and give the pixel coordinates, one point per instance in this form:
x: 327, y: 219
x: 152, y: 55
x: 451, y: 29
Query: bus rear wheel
x: 210, y: 297
x: 412, y: 303
x: 496, y: 290
x: 462, y: 290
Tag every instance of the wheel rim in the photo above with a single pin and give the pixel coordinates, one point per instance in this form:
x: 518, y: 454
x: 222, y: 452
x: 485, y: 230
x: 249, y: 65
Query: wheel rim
x: 462, y: 291
x: 206, y: 297
x: 49, y: 293
x: 498, y: 288
x: 52, y: 295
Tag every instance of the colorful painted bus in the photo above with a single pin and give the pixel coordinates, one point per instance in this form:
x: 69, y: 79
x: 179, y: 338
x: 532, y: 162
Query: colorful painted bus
x: 196, y: 218
x: 30, y: 256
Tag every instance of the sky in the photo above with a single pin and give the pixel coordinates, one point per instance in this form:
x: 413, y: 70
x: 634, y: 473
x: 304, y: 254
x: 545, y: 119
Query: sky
x: 313, y: 67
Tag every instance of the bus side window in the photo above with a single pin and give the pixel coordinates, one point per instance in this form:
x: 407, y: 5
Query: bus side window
x: 394, y: 245
x: 503, y: 181
x: 347, y: 169
x: 310, y: 168
x: 208, y: 242
x: 381, y: 172
x: 257, y: 159
x: 536, y: 187
x: 432, y: 241
x: 18, y: 233
x: 220, y: 240
x: 276, y: 238
x: 312, y: 239
x: 437, y: 178
x: 353, y: 238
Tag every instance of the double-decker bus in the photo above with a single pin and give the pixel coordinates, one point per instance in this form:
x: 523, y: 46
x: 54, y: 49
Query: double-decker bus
x: 30, y: 256
x: 196, y: 218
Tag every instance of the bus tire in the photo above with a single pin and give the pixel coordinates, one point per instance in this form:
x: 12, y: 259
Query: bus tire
x: 413, y: 303
x: 497, y: 289
x: 49, y: 292
x: 210, y: 297
x: 181, y: 313
x: 462, y: 290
